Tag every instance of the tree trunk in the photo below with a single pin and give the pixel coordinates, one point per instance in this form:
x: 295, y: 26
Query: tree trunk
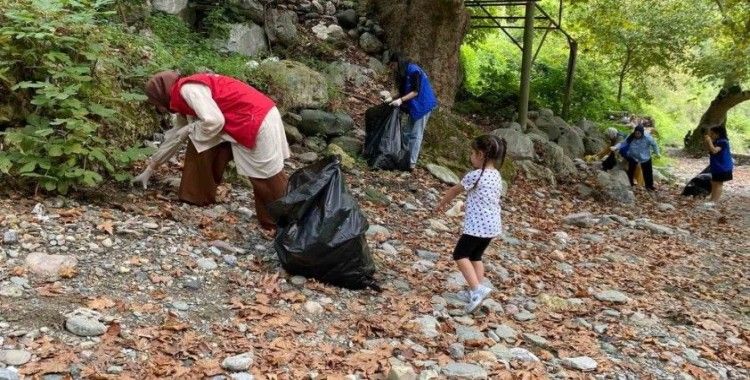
x: 715, y: 116
x: 623, y: 72
x: 431, y: 33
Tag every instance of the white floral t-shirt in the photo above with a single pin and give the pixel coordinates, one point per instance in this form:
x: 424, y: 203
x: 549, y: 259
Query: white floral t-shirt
x: 482, y: 217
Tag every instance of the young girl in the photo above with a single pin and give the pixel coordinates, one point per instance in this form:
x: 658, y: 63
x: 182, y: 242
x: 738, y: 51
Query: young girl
x: 482, y: 219
x: 720, y: 160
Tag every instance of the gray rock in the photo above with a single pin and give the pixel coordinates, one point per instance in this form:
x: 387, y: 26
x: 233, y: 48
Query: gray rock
x: 293, y: 135
x: 552, y: 126
x: 11, y: 290
x: 170, y: 6
x: 295, y: 85
x: 456, y: 351
x: 536, y: 172
x: 281, y: 27
x: 298, y: 280
x: 524, y: 316
x: 251, y: 9
x: 313, y: 307
x: 321, y: 123
x: 520, y: 146
x: 400, y: 371
x: 581, y: 219
x: 308, y: 157
x: 8, y: 374
x: 594, y: 145
x: 15, y: 357
x: 536, y: 340
x: 180, y: 305
x: 85, y: 325
x: 423, y: 266
x: 565, y: 268
x: 552, y: 156
x: 376, y: 230
x: 571, y: 143
x: 493, y: 306
x: 613, y: 296
x: 581, y: 363
x: 207, y: 263
x: 467, y: 333
x: 49, y: 266
x: 238, y: 363
x: 665, y: 207
x: 241, y: 376
x: 347, y: 18
x: 616, y: 186
x: 428, y: 325
x: 515, y: 353
x: 653, y: 227
x: 427, y: 255
x: 506, y: 332
x: 10, y: 237
x: 246, y: 39
x: 230, y: 260
x: 444, y: 174
x: 370, y: 43
x: 350, y: 145
x: 464, y: 371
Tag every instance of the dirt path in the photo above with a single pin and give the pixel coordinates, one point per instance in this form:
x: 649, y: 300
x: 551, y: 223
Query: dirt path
x: 179, y: 289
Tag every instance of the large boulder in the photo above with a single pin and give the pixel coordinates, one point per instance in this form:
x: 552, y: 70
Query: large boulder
x: 281, y: 27
x: 519, y: 145
x: 294, y: 85
x: 370, y: 43
x: 552, y: 156
x: 321, y: 123
x: 616, y: 186
x: 587, y: 126
x: 350, y: 145
x: 572, y: 143
x: 173, y: 7
x: 536, y: 172
x: 339, y: 73
x: 416, y: 26
x: 347, y: 18
x: 594, y: 145
x: 553, y: 126
x: 251, y: 9
x: 247, y: 39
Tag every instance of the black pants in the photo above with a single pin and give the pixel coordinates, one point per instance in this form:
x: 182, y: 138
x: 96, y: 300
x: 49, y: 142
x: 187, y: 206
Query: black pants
x: 646, y: 169
x: 610, y: 162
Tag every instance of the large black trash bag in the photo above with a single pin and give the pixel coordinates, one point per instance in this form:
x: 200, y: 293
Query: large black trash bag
x: 321, y: 230
x: 700, y: 185
x: 384, y: 148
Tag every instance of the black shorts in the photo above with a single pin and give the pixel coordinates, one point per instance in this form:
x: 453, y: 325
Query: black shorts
x: 721, y: 177
x: 470, y: 247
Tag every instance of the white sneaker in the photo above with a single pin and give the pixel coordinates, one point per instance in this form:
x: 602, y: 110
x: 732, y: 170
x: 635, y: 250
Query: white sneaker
x: 476, y: 299
x: 464, y: 295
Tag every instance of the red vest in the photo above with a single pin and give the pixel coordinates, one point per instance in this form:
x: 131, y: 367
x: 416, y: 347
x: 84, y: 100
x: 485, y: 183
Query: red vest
x: 244, y: 107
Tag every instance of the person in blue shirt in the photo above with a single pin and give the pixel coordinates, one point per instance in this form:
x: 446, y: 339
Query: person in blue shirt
x: 640, y: 147
x: 415, y: 97
x: 720, y: 160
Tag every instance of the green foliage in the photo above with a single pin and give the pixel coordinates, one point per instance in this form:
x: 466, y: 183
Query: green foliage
x: 54, y: 56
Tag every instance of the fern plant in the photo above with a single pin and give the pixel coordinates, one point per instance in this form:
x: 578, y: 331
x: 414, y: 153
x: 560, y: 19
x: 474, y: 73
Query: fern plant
x: 50, y: 55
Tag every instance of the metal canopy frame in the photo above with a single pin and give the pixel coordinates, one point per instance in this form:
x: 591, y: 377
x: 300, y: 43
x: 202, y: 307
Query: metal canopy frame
x: 484, y: 19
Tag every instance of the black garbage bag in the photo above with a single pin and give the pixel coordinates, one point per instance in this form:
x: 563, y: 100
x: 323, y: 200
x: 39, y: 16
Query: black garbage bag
x: 384, y: 148
x: 700, y: 185
x: 321, y: 230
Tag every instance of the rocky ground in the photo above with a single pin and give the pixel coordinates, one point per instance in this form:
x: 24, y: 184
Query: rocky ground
x: 137, y: 285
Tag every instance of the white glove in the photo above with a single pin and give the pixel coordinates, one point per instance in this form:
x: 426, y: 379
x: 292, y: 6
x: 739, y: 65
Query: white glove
x: 144, y: 177
x: 385, y: 96
x: 397, y: 103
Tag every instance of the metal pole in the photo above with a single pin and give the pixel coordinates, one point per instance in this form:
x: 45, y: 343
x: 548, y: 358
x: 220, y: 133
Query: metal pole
x: 528, y: 49
x: 569, y: 79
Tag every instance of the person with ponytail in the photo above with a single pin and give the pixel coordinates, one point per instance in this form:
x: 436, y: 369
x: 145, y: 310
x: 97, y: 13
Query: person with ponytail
x: 417, y: 97
x: 720, y: 160
x: 482, y: 222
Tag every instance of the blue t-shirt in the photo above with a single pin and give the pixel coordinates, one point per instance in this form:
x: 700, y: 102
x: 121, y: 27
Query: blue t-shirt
x: 721, y: 162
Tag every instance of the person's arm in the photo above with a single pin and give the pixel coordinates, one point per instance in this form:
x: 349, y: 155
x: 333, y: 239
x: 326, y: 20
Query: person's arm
x: 210, y: 120
x: 416, y: 84
x: 713, y: 149
x: 448, y: 197
x: 654, y: 146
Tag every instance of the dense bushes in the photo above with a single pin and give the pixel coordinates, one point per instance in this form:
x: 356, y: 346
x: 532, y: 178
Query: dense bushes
x: 69, y: 81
